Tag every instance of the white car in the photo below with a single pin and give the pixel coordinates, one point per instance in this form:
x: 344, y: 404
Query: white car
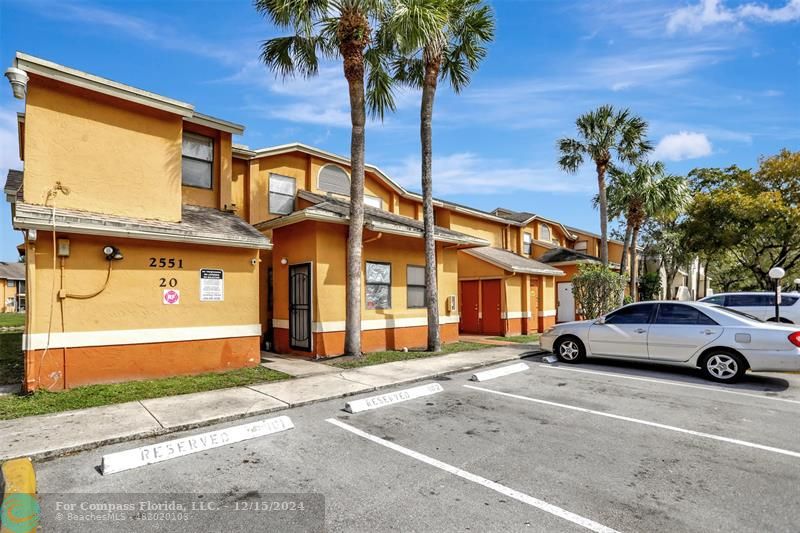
x: 760, y: 305
x: 721, y: 342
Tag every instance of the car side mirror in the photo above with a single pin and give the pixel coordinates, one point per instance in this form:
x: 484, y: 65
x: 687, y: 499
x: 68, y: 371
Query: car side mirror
x: 600, y: 320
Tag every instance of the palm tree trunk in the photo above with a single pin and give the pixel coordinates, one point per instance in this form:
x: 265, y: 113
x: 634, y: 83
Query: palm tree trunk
x: 603, y: 202
x: 426, y: 137
x: 624, y: 262
x: 634, y: 264
x: 353, y: 34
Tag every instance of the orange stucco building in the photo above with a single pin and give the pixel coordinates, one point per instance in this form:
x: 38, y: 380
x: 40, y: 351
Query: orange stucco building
x: 155, y: 246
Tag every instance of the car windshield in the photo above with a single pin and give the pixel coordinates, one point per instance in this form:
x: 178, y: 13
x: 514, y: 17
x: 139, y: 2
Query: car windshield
x: 737, y: 313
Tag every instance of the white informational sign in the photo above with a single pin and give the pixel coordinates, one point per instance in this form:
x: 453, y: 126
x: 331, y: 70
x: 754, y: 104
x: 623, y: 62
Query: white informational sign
x: 212, y: 285
x: 373, y: 402
x: 155, y: 453
x: 171, y: 297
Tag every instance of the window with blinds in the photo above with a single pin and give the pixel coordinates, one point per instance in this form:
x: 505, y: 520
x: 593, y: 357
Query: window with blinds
x: 197, y: 160
x: 281, y: 194
x: 333, y: 179
x: 415, y: 283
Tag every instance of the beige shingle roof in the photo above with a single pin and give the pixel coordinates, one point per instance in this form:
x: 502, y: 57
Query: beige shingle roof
x: 513, y: 262
x: 12, y: 270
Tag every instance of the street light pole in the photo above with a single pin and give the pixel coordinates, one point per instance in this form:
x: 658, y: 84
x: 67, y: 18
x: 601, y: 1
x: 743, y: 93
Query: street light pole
x: 777, y: 273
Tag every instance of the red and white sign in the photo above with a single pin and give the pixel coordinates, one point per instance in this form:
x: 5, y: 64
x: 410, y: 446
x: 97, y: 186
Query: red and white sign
x: 171, y: 297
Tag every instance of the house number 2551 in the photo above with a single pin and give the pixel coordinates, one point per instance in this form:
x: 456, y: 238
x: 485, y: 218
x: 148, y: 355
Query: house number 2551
x: 165, y: 262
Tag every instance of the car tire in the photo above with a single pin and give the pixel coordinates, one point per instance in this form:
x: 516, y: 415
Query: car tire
x: 569, y: 349
x: 723, y: 366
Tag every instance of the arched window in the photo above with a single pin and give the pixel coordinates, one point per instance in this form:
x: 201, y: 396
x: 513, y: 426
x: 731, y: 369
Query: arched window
x: 544, y: 233
x: 333, y: 179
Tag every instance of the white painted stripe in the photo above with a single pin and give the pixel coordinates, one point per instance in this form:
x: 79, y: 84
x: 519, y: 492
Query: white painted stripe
x: 499, y: 372
x: 163, y: 451
x: 547, y: 313
x: 674, y: 383
x: 515, y: 314
x: 73, y: 339
x: 369, y: 325
x: 497, y: 487
x: 644, y: 422
x: 390, y: 398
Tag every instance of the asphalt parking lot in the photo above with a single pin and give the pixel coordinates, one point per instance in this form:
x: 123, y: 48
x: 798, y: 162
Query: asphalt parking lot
x: 602, y: 446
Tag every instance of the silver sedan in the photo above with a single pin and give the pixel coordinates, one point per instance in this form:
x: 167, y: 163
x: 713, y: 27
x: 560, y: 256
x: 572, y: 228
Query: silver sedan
x: 723, y: 343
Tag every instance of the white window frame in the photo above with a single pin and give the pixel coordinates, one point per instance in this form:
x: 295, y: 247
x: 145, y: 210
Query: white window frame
x: 199, y: 138
x: 368, y: 198
x: 367, y: 283
x: 416, y: 286
x: 527, y: 243
x: 346, y: 173
x: 545, y: 227
x: 279, y: 177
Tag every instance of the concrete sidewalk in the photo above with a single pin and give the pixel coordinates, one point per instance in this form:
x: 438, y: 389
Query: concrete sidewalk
x: 40, y: 437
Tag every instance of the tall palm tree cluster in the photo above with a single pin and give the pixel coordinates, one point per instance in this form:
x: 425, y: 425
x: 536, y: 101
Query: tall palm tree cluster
x: 616, y: 142
x: 382, y: 44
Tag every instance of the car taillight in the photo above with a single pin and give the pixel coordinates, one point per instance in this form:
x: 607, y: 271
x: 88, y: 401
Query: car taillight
x: 794, y: 338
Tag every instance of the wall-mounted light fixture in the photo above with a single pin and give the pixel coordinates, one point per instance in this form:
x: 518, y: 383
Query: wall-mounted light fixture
x: 284, y: 261
x: 112, y: 253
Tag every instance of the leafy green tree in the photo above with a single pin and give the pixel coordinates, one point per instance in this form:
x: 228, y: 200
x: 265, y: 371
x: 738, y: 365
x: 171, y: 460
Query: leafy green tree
x: 645, y: 192
x: 341, y: 29
x: 662, y: 240
x: 436, y: 40
x: 650, y: 286
x: 596, y: 289
x: 603, y: 134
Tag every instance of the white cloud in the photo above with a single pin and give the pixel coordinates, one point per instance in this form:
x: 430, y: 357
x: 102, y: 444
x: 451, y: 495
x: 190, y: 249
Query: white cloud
x: 468, y: 173
x: 682, y: 145
x: 706, y: 13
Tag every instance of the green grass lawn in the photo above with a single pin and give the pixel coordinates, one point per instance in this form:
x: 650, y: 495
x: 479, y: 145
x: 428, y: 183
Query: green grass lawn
x: 12, y: 320
x: 376, y: 358
x: 11, y: 363
x: 522, y: 339
x: 43, y: 402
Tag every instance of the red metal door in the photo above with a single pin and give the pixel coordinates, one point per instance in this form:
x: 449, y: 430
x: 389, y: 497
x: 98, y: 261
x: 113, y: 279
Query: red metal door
x: 469, y: 321
x: 490, y: 307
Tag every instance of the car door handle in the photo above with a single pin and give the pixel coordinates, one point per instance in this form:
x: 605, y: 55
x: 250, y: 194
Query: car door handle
x: 709, y: 332
x: 640, y: 330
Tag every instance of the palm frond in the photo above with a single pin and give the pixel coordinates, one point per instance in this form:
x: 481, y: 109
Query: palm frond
x: 290, y: 55
x: 572, y: 152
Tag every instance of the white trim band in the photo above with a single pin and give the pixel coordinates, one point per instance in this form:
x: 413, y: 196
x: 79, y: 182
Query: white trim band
x: 74, y: 339
x: 370, y: 325
x: 547, y: 313
x: 515, y: 314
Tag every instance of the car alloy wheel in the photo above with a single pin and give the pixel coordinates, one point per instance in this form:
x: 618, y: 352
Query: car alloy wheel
x: 722, y: 366
x: 569, y: 350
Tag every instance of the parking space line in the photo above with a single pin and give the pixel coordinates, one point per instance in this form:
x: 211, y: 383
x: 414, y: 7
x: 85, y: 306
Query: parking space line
x: 668, y: 382
x: 643, y: 422
x: 502, y: 489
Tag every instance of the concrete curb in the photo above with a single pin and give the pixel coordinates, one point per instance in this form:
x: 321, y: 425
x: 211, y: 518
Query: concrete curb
x: 18, y: 481
x: 69, y: 450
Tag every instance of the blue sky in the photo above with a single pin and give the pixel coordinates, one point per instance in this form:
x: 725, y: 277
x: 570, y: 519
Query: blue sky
x: 718, y: 81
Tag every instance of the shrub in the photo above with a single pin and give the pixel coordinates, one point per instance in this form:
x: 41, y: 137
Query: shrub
x: 650, y: 286
x: 597, y: 290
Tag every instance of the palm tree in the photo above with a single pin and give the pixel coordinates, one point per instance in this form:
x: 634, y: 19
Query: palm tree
x: 332, y: 29
x: 645, y: 192
x: 601, y: 133
x: 436, y: 39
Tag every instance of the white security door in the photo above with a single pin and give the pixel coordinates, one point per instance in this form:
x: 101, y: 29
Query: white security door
x: 566, y: 303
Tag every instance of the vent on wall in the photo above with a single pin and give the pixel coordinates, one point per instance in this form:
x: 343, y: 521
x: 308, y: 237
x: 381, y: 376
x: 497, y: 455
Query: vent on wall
x: 334, y: 179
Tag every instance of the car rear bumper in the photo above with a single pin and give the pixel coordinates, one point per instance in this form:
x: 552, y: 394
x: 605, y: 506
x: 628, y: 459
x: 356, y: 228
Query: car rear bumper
x: 773, y: 360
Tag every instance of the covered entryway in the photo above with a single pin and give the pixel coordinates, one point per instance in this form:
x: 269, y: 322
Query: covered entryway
x: 300, y: 307
x: 566, y: 303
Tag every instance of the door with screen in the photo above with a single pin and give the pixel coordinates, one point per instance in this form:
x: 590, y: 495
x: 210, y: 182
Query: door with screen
x: 300, y: 307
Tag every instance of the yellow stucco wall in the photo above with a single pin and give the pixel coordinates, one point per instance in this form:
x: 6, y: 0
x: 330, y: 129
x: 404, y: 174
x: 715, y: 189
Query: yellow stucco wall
x: 133, y: 297
x: 115, y: 157
x: 471, y: 267
x: 239, y: 179
x: 477, y: 227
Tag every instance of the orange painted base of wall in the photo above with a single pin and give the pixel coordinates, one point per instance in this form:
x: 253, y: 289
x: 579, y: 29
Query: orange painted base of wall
x: 546, y: 322
x: 332, y: 343
x: 66, y: 368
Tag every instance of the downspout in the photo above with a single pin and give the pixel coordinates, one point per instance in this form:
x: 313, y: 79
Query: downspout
x: 372, y: 239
